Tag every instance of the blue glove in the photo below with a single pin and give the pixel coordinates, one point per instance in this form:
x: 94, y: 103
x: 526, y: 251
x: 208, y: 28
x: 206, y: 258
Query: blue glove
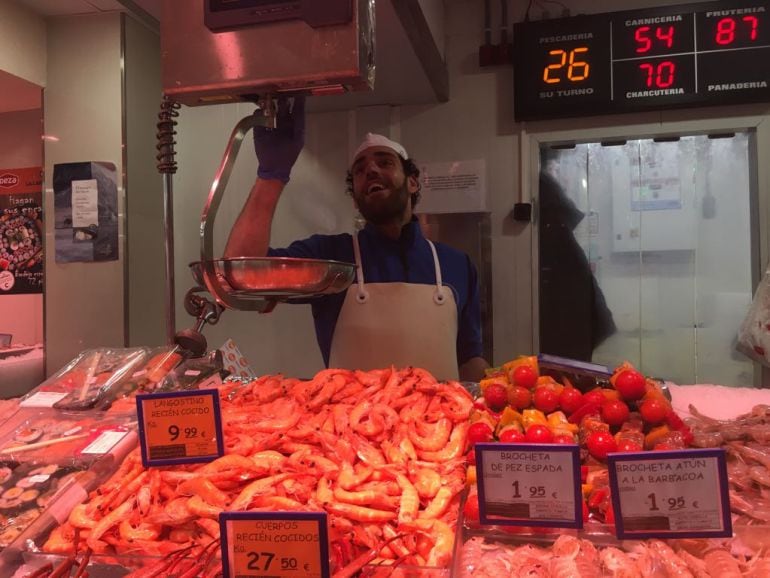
x: 277, y: 149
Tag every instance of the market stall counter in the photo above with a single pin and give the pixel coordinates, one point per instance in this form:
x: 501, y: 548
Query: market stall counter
x: 388, y: 457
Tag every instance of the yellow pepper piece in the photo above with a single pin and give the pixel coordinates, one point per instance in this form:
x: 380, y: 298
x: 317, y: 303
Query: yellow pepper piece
x: 531, y: 417
x: 586, y: 489
x: 565, y: 428
x: 557, y: 417
x: 509, y: 416
x: 470, y: 476
x: 530, y: 360
x: 656, y: 434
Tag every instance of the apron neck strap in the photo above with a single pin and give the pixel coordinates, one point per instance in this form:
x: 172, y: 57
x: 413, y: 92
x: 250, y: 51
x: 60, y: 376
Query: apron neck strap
x: 363, y: 295
x: 438, y: 294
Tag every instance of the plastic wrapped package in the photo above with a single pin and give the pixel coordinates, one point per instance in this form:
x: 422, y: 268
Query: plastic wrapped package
x: 26, y: 490
x: 87, y: 380
x: 754, y: 333
x: 192, y: 373
x: 54, y: 437
x: 143, y: 379
x: 59, y: 489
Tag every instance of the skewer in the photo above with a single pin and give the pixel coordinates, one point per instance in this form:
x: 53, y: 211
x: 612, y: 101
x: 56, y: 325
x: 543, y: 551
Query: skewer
x: 36, y: 445
x: 89, y: 376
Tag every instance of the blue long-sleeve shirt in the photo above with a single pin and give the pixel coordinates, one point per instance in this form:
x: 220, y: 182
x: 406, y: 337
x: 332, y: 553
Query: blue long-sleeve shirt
x: 406, y: 260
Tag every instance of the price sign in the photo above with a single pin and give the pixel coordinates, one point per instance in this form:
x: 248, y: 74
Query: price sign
x: 671, y: 494
x: 274, y: 544
x: 179, y: 427
x: 529, y: 485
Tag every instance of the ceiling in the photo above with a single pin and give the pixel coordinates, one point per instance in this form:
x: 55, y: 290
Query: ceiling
x: 68, y: 7
x: 401, y: 76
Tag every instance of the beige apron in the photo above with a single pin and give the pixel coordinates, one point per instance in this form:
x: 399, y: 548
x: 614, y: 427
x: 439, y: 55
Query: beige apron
x: 399, y: 324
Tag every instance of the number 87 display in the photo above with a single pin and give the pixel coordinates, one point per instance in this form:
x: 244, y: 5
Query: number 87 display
x: 577, y: 68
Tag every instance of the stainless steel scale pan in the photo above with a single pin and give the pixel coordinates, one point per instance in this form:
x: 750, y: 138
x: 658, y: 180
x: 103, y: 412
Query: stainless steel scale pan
x: 257, y: 283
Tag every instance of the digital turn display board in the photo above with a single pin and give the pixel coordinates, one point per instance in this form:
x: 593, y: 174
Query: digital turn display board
x: 638, y: 60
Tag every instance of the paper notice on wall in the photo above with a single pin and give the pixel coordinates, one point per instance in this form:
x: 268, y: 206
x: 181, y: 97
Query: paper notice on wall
x: 453, y: 187
x: 85, y: 198
x: 85, y: 212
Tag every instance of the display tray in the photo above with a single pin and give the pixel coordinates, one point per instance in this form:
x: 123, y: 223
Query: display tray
x: 55, y: 437
x: 278, y: 277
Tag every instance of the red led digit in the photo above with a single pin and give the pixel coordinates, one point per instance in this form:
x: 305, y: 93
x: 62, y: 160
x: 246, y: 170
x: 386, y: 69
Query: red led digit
x: 649, y: 69
x: 643, y: 41
x: 664, y: 76
x: 666, y: 35
x: 661, y: 76
x: 725, y: 31
x: 753, y: 23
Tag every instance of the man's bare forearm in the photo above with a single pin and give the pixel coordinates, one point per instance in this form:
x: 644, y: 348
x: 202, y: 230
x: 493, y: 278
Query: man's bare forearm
x: 250, y: 235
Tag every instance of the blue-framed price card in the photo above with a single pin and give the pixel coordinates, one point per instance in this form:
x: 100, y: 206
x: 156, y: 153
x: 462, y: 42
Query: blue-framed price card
x: 670, y: 494
x: 529, y: 485
x: 274, y: 544
x: 180, y: 427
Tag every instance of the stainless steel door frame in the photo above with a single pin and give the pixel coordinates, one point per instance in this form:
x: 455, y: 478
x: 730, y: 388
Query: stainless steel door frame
x: 666, y: 124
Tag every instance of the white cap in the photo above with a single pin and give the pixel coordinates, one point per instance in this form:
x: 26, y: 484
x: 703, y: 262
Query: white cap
x: 377, y: 140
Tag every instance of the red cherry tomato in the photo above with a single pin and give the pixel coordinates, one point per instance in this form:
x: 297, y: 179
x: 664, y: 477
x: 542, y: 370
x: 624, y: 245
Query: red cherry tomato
x: 512, y: 436
x: 631, y: 385
x: 471, y: 457
x: 615, y: 412
x: 479, y: 432
x: 629, y: 446
x: 585, y: 511
x: 653, y: 411
x: 583, y: 474
x: 673, y: 420
x: 519, y: 397
x: 601, y: 443
x: 590, y: 408
x: 538, y: 434
x: 496, y: 396
x: 545, y: 399
x: 570, y: 399
x: 594, y: 396
x: 525, y: 376
x: 471, y: 508
x: 563, y: 439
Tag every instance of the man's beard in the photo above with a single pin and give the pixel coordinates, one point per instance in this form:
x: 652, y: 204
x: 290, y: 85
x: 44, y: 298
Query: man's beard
x: 385, y: 210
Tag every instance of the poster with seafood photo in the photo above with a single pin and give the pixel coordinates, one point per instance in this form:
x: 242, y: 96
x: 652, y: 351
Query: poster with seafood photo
x: 21, y: 231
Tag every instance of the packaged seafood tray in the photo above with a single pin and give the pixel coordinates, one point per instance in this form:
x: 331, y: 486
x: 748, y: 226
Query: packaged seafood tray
x: 54, y: 437
x: 568, y: 554
x: 167, y: 370
x: 87, y: 380
x: 37, y: 498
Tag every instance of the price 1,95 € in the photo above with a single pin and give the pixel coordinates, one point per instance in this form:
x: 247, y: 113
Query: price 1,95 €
x: 670, y: 494
x: 529, y: 485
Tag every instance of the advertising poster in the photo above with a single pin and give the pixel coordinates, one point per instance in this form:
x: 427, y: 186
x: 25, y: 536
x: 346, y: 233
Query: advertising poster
x: 21, y: 231
x: 85, y: 212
